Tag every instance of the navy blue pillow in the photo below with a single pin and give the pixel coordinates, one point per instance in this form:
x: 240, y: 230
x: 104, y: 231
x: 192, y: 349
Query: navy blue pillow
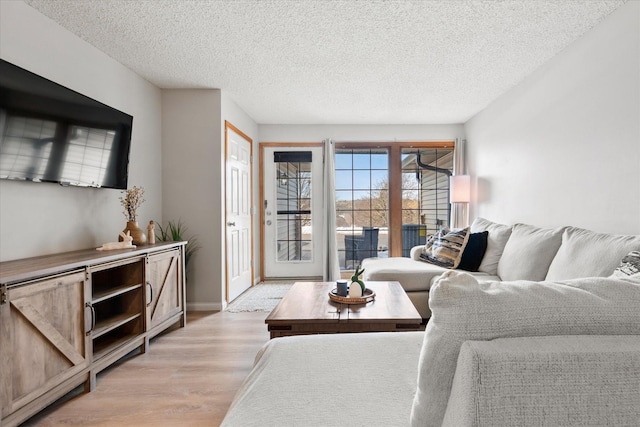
x: 474, y: 251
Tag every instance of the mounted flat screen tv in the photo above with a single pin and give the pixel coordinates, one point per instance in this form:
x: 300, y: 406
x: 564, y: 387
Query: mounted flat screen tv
x: 49, y: 133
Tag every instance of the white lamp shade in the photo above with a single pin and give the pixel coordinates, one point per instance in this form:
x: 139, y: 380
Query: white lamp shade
x: 460, y: 189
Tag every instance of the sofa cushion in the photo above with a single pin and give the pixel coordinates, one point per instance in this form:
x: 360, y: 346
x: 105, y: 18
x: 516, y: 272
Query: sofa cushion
x: 497, y: 239
x: 529, y: 252
x: 463, y: 309
x: 474, y: 251
x: 590, y: 380
x: 414, y: 276
x: 445, y: 247
x: 584, y: 253
x: 629, y: 266
x: 304, y: 381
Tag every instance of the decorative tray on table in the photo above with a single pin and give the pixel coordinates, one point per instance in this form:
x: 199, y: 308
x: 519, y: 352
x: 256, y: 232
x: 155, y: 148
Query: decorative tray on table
x: 369, y: 295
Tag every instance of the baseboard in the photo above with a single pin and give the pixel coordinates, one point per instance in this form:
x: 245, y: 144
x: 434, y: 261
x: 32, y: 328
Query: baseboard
x: 206, y: 306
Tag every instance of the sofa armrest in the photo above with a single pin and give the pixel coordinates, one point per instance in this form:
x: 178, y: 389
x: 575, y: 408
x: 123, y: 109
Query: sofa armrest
x: 555, y: 380
x: 415, y: 252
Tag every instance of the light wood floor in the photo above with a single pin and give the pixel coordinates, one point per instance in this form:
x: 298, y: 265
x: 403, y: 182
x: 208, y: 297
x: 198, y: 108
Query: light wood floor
x: 188, y: 378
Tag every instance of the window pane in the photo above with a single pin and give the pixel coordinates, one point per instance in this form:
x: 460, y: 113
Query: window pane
x: 380, y: 160
x: 361, y: 179
x: 344, y: 180
x: 361, y: 160
x: 361, y: 200
x: 410, y: 216
x: 411, y: 180
x: 379, y: 179
x: 344, y: 160
x: 410, y: 199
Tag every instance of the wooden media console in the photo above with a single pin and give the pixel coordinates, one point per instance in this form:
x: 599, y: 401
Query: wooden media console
x: 66, y: 317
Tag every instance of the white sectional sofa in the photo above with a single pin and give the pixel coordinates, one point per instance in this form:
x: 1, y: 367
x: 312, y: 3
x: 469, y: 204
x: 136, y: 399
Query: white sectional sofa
x: 518, y: 252
x: 556, y: 352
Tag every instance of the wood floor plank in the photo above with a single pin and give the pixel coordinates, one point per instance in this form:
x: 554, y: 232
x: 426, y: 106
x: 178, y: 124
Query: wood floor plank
x: 188, y: 378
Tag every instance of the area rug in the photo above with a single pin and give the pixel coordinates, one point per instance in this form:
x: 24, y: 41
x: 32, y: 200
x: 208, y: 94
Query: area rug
x: 261, y: 297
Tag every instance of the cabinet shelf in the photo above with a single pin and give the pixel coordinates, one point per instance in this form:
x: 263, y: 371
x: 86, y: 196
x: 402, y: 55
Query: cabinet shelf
x: 107, y: 345
x: 110, y: 293
x: 108, y: 325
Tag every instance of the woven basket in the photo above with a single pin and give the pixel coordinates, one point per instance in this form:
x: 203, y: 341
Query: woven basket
x: 369, y: 295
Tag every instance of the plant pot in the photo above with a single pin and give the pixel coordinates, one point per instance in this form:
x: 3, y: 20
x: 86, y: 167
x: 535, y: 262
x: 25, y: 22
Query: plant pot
x: 139, y: 238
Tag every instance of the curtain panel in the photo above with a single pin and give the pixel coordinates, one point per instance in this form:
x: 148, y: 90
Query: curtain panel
x: 459, y: 217
x: 331, y: 270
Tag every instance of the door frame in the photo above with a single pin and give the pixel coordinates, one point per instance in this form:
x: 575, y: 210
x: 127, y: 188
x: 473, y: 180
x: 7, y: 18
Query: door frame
x: 261, y: 147
x: 228, y: 126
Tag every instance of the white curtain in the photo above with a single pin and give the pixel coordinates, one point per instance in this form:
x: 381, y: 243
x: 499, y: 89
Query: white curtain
x: 331, y: 270
x: 459, y: 210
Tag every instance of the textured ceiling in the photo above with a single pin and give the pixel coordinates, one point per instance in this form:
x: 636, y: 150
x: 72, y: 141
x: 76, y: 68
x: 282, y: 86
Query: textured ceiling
x: 335, y: 62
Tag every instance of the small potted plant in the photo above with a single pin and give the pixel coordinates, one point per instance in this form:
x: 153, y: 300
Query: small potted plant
x: 175, y: 231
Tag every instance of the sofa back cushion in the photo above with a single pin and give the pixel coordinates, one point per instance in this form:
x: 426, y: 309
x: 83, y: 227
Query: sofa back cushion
x: 463, y: 309
x: 578, y: 380
x: 529, y: 252
x: 584, y: 253
x: 497, y: 239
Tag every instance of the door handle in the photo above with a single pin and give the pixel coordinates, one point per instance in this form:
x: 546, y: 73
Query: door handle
x: 150, y: 294
x: 93, y: 317
x: 231, y: 224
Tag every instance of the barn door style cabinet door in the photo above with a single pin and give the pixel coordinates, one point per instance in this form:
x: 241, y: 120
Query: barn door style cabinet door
x: 165, y: 290
x: 43, y: 338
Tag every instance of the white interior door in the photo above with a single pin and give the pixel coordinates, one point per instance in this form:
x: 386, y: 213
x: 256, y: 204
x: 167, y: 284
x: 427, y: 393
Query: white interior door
x: 238, y: 213
x: 293, y: 188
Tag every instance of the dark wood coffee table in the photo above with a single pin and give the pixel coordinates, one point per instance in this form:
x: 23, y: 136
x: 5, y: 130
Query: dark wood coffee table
x: 307, y: 309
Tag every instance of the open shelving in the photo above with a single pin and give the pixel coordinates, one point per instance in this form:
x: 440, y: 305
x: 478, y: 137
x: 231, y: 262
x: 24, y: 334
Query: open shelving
x: 117, y: 305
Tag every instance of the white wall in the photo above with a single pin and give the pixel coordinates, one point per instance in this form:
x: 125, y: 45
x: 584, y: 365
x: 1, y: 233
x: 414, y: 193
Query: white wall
x: 193, y: 181
x: 316, y: 133
x: 44, y: 218
x: 191, y: 184
x: 563, y: 147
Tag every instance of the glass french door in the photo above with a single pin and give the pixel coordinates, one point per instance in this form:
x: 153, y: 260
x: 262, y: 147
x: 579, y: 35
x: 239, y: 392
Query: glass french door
x: 389, y: 198
x: 292, y: 212
x: 425, y: 193
x: 362, y: 205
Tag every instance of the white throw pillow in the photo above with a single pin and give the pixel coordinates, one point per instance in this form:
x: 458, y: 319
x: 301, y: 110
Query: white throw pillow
x: 529, y: 252
x: 498, y: 237
x: 463, y: 309
x: 584, y: 253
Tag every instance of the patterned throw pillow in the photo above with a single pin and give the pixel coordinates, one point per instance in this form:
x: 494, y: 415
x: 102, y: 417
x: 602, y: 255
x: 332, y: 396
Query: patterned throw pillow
x: 445, y: 248
x: 630, y: 265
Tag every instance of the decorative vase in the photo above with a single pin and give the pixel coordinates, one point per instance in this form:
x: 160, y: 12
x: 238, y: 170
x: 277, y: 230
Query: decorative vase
x: 139, y: 238
x: 355, y: 290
